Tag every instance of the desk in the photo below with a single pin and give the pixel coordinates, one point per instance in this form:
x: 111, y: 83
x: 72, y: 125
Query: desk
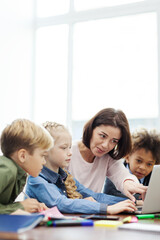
x: 84, y: 233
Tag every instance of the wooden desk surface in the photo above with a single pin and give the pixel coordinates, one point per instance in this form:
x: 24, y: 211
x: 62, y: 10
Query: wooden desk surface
x: 84, y: 233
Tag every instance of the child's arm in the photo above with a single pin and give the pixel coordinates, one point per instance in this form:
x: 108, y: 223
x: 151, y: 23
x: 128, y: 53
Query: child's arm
x: 8, y: 190
x: 32, y: 205
x: 99, y: 197
x: 9, y: 208
x: 50, y: 194
x: 29, y: 205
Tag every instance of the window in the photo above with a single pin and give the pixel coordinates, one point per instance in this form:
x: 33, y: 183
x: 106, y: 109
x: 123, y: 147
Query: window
x: 51, y: 74
x: 89, y: 60
x: 92, y: 4
x: 47, y: 8
x: 115, y: 64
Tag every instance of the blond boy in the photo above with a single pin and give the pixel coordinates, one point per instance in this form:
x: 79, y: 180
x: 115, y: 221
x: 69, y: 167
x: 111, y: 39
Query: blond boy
x: 24, y: 146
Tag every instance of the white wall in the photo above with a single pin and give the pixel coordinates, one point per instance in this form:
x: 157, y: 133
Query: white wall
x: 16, y: 61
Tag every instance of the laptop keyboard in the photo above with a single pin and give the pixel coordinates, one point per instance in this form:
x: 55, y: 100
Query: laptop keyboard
x: 139, y: 208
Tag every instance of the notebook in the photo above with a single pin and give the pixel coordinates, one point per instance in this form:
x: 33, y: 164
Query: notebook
x: 140, y: 227
x: 19, y: 223
x: 152, y: 199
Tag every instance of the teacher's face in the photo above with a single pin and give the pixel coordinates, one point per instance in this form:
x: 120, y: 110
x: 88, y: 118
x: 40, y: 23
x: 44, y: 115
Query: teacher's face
x: 104, y: 139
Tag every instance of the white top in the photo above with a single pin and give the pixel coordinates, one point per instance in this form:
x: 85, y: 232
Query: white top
x: 92, y: 175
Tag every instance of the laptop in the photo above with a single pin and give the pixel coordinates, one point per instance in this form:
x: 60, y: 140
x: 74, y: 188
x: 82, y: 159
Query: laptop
x: 152, y: 199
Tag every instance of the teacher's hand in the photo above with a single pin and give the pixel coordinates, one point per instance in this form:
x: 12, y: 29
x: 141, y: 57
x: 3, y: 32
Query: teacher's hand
x: 130, y: 187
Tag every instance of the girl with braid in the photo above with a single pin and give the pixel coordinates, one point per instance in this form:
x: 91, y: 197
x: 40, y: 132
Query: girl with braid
x: 55, y: 186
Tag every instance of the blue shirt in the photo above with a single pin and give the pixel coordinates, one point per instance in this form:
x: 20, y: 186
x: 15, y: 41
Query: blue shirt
x: 49, y: 188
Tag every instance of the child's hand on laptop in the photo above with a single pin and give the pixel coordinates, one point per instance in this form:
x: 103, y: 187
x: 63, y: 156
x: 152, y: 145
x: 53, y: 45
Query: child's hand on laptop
x: 123, y: 206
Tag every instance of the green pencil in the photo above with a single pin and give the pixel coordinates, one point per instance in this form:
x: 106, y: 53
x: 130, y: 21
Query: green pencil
x: 145, y: 216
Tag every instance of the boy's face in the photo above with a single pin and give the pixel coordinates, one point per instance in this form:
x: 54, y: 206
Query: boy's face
x: 60, y: 154
x: 141, y: 162
x: 34, y: 163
